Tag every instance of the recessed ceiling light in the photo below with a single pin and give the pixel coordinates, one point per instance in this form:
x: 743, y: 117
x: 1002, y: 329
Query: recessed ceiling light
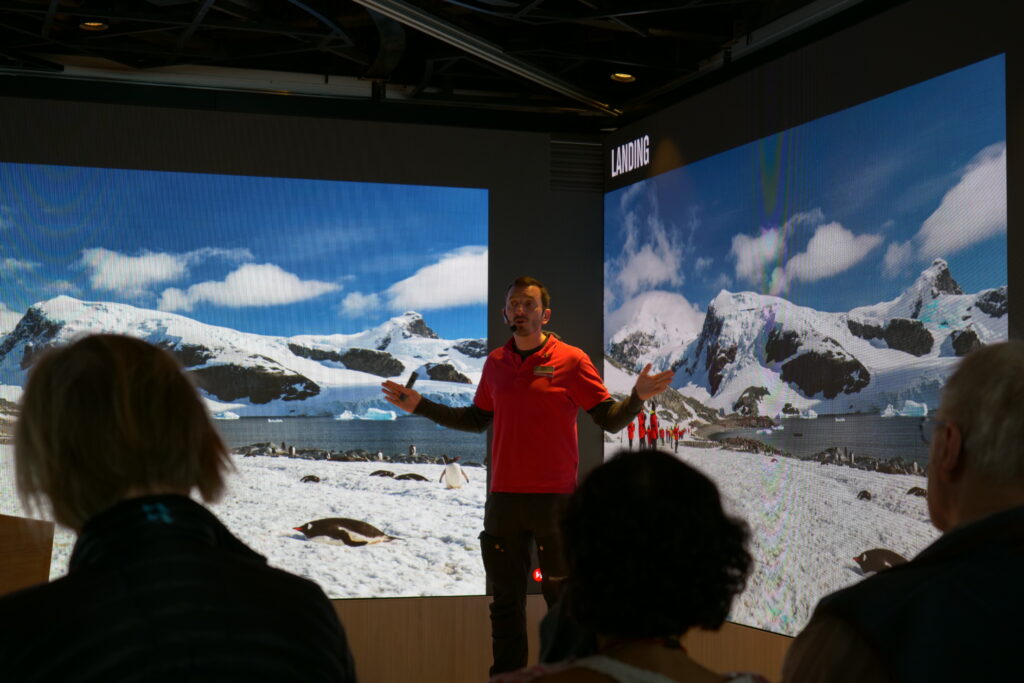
x: 620, y: 77
x: 93, y: 25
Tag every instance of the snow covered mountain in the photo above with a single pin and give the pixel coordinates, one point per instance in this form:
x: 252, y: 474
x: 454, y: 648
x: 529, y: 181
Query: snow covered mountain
x: 764, y: 354
x: 252, y: 374
x: 652, y: 326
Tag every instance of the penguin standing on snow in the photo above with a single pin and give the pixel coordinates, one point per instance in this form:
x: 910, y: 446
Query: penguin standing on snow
x: 453, y: 475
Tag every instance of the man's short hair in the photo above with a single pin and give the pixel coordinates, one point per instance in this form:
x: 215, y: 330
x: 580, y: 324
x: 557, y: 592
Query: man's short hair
x: 107, y: 416
x: 985, y: 399
x: 527, y: 281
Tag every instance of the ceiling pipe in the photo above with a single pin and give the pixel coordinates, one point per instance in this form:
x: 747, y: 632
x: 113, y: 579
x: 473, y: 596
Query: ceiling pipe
x: 427, y: 23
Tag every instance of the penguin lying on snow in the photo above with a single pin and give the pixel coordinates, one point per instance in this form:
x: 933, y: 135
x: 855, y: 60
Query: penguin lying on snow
x: 382, y: 473
x: 453, y: 474
x: 351, y: 532
x: 411, y: 476
x: 878, y: 559
x: 310, y: 479
x: 917, y: 491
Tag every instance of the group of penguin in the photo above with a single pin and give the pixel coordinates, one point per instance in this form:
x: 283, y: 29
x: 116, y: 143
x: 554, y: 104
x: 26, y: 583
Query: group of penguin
x: 355, y: 532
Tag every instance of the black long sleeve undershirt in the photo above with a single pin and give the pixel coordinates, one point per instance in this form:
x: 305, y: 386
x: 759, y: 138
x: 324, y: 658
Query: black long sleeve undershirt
x: 610, y: 415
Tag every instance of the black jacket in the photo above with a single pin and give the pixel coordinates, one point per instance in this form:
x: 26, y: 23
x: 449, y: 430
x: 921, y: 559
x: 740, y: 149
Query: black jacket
x: 159, y: 590
x: 953, y: 613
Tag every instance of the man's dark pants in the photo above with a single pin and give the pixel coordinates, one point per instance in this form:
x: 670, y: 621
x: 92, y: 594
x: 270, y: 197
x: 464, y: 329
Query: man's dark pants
x: 512, y: 521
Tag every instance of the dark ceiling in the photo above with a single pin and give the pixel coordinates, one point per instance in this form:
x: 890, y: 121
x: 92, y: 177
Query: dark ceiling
x: 480, y: 62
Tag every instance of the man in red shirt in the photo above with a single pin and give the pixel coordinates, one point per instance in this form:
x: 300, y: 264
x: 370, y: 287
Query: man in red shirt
x: 531, y: 389
x: 630, y: 431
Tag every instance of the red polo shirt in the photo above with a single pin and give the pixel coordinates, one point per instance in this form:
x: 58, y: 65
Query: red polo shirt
x: 535, y: 402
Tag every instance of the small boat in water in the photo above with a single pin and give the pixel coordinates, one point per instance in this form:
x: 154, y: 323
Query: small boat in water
x: 274, y: 420
x: 840, y: 419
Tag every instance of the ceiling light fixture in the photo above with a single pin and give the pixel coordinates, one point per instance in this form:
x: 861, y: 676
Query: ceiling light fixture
x: 93, y: 25
x: 620, y: 77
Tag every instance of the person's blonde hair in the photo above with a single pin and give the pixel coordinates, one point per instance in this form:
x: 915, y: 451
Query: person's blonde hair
x: 108, y: 417
x: 985, y: 399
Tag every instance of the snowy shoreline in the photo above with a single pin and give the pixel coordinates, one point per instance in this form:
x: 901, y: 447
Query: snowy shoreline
x: 806, y: 521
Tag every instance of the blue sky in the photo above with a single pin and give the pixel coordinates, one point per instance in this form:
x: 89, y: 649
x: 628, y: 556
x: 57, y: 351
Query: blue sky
x: 275, y: 256
x: 840, y: 212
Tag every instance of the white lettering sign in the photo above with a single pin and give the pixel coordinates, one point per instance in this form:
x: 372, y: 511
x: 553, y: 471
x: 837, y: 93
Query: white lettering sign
x: 631, y: 156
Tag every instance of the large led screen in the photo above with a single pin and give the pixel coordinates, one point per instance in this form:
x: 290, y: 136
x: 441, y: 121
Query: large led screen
x: 289, y: 301
x: 813, y: 291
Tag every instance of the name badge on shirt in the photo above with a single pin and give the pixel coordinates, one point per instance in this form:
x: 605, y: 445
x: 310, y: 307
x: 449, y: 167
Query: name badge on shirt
x: 544, y: 370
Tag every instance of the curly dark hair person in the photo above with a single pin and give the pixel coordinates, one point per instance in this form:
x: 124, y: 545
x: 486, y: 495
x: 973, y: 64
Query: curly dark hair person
x: 650, y: 551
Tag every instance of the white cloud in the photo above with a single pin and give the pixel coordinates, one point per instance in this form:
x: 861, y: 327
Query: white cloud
x: 8, y: 318
x: 356, y: 304
x: 723, y: 281
x: 459, y: 278
x: 898, y: 255
x: 130, y: 275
x: 702, y: 264
x: 135, y: 276
x: 652, y: 253
x: 249, y: 285
x: 972, y: 210
x: 198, y: 255
x: 8, y: 264
x: 63, y: 287
x: 813, y: 217
x: 754, y: 255
x: 832, y: 250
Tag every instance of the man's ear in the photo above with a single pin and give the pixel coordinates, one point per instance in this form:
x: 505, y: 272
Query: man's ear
x: 504, y: 315
x: 545, y: 316
x: 950, y: 459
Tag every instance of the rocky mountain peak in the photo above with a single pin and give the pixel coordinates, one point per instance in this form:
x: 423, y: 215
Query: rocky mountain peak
x: 413, y: 323
x: 937, y: 275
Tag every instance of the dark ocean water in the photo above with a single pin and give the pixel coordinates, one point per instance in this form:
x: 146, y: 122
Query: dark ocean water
x: 390, y: 437
x: 870, y: 435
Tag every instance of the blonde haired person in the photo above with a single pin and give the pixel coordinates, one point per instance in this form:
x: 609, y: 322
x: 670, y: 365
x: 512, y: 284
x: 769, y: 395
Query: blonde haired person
x: 113, y: 438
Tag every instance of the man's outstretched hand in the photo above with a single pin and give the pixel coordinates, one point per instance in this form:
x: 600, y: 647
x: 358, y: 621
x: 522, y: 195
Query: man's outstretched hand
x: 648, y: 385
x: 397, y: 395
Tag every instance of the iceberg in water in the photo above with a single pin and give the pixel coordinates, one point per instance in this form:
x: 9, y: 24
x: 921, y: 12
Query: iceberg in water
x: 914, y: 409
x: 226, y: 415
x: 889, y: 411
x: 370, y: 414
x: 808, y: 414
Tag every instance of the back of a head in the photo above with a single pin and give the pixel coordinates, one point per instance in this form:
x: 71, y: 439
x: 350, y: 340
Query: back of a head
x: 985, y: 398
x: 108, y: 417
x: 650, y: 550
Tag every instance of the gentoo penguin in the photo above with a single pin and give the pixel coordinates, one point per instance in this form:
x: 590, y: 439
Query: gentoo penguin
x: 310, y: 479
x: 917, y: 491
x: 382, y: 473
x: 351, y: 532
x: 411, y: 476
x: 864, y: 495
x: 453, y: 475
x: 878, y: 559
